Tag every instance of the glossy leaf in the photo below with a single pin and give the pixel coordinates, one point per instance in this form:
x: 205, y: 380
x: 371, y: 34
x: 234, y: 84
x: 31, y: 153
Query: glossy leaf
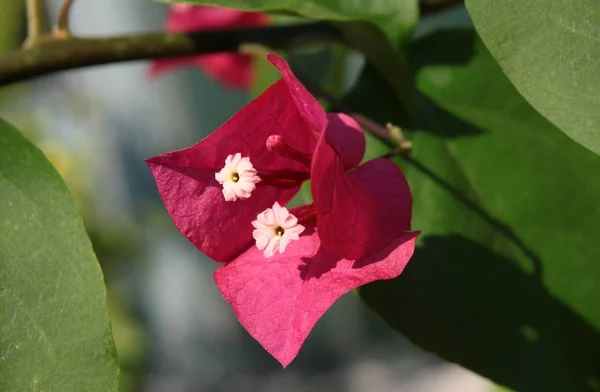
x: 506, y: 278
x: 54, y: 329
x: 395, y: 18
x: 550, y: 51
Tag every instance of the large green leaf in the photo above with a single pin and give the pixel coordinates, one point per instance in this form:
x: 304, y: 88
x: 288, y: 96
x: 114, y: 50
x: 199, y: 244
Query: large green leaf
x: 506, y: 278
x: 54, y: 329
x: 395, y: 18
x: 550, y: 50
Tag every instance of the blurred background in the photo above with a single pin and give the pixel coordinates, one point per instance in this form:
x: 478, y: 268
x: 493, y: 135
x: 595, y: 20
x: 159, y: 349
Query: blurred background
x: 172, y: 329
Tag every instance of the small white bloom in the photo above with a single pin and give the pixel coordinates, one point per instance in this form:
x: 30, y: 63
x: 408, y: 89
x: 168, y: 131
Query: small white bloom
x: 238, y: 177
x: 275, y: 229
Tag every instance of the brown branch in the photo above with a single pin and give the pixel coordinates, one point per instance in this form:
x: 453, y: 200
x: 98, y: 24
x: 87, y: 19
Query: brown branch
x: 432, y: 7
x: 55, y: 55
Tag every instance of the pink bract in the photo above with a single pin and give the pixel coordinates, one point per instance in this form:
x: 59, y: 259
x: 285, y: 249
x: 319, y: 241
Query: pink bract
x: 186, y: 178
x: 232, y: 69
x: 361, y: 211
x: 280, y: 299
x: 355, y: 232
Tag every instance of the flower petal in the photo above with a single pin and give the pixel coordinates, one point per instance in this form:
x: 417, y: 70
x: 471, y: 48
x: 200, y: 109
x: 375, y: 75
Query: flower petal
x: 193, y: 197
x: 346, y: 137
x: 280, y: 299
x: 361, y: 211
x: 309, y: 108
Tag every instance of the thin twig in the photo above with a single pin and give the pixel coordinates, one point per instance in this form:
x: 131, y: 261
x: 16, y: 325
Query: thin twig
x: 62, y: 27
x: 36, y: 22
x: 58, y: 55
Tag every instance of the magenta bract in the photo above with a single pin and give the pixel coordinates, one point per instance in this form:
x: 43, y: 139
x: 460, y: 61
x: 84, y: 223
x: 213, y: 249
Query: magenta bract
x: 192, y: 196
x: 355, y: 232
x: 359, y: 212
x: 280, y: 299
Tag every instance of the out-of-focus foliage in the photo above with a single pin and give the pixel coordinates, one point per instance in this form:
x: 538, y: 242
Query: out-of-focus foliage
x: 506, y: 280
x: 550, y: 50
x: 11, y: 29
x: 55, y: 333
x: 11, y: 24
x: 129, y: 339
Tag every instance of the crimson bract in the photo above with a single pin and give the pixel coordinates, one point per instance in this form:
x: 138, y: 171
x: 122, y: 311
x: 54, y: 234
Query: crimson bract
x: 284, y: 268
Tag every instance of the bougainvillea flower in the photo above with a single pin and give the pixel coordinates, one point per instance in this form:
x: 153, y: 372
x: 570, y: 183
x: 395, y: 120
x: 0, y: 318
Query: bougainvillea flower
x: 232, y: 69
x: 193, y: 196
x: 365, y: 212
x: 291, y: 265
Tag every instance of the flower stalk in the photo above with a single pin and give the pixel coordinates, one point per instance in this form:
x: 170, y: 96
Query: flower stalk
x: 62, y: 30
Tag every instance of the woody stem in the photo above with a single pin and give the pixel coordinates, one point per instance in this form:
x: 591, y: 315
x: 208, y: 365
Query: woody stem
x: 63, y: 54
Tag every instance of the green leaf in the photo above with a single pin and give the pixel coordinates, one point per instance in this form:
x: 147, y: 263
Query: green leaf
x: 371, y: 43
x: 54, y: 329
x: 506, y: 278
x: 396, y: 18
x: 550, y: 50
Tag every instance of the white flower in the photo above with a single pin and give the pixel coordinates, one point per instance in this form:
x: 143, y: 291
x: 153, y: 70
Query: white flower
x: 238, y: 177
x: 275, y: 229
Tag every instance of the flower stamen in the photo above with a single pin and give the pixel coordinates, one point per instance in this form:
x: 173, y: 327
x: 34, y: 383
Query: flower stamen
x: 276, y: 143
x: 275, y: 228
x: 238, y: 177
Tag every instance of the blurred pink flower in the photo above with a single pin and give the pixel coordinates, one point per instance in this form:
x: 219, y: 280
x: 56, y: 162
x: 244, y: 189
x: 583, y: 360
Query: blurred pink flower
x: 282, y: 276
x: 234, y: 70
